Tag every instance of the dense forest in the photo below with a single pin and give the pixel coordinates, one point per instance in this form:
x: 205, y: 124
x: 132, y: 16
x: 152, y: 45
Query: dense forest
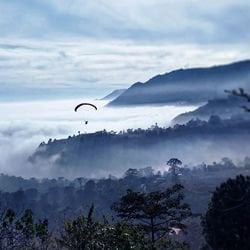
x: 57, y: 199
x: 77, y: 155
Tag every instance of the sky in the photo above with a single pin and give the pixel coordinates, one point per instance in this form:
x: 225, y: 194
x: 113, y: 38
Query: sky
x: 56, y: 49
x: 55, y: 53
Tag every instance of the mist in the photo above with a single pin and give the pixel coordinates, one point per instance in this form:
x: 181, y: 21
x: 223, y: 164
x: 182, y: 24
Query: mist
x: 117, y: 159
x: 99, y: 154
x: 24, y: 125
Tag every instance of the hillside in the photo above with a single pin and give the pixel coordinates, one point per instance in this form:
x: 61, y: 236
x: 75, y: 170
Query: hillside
x: 194, y: 85
x: 101, y: 153
x: 223, y: 107
x: 114, y: 94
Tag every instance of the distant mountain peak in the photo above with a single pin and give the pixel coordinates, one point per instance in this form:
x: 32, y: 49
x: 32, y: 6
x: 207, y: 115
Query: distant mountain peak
x: 192, y: 85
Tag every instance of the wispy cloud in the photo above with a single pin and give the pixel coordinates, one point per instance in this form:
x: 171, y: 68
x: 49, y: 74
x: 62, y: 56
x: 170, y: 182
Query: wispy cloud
x: 102, y: 45
x: 176, y: 21
x: 24, y: 125
x: 82, y: 64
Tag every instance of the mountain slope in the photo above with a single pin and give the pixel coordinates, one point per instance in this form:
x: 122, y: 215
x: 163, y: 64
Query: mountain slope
x: 114, y: 94
x: 193, y: 85
x: 102, y: 153
x: 225, y: 108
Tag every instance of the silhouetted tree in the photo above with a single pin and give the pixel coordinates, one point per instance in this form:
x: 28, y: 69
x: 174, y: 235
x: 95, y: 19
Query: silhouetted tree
x: 241, y: 93
x: 226, y: 224
x: 157, y: 213
x: 174, y: 164
x: 132, y: 172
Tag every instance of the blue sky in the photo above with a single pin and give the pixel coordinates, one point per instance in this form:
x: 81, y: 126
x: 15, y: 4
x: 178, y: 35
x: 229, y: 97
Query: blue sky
x: 59, y: 48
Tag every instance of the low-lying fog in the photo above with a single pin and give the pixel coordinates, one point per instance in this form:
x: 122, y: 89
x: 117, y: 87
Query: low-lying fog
x: 24, y: 125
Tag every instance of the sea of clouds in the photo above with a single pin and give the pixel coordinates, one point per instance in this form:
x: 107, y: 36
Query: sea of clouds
x: 24, y: 125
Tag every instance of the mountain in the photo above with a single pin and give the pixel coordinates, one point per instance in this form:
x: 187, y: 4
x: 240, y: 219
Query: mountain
x: 194, y: 85
x: 224, y: 107
x: 101, y: 153
x: 114, y: 94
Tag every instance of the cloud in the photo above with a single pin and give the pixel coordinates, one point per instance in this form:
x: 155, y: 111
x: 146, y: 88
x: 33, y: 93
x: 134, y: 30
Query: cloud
x: 61, y: 49
x: 24, y: 125
x: 188, y: 21
x: 101, y: 45
x: 29, y: 68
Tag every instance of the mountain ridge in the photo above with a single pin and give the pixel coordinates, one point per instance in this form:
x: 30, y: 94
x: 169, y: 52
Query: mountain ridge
x: 225, y: 108
x: 114, y: 94
x: 178, y: 86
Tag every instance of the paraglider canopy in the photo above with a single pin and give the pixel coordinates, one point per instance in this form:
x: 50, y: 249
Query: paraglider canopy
x: 85, y: 103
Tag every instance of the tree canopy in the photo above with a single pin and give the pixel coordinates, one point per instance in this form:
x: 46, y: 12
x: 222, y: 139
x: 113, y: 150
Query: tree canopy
x: 226, y: 225
x: 157, y: 213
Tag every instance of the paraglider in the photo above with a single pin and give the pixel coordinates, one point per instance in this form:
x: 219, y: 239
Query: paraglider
x: 83, y: 104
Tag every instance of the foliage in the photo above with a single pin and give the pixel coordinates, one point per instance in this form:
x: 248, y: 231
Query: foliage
x: 241, y: 93
x: 174, y: 164
x: 226, y: 224
x: 22, y: 233
x: 81, y: 233
x: 116, y: 150
x: 57, y: 199
x: 86, y: 233
x: 156, y: 213
x: 123, y: 236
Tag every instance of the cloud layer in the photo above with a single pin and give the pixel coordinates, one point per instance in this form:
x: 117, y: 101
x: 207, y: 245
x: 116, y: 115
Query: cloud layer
x: 24, y: 125
x: 71, y: 68
x: 222, y: 21
x: 95, y: 46
x: 61, y: 49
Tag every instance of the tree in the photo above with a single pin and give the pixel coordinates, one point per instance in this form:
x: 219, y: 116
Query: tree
x: 22, y: 233
x: 241, y: 93
x: 122, y: 236
x: 132, y: 172
x: 80, y: 233
x: 226, y: 224
x: 156, y: 213
x: 86, y: 233
x: 174, y: 164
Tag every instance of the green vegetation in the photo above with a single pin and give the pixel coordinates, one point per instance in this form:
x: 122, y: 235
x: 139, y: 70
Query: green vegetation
x: 23, y: 232
x: 143, y: 220
x: 144, y: 209
x: 156, y: 213
x: 226, y: 224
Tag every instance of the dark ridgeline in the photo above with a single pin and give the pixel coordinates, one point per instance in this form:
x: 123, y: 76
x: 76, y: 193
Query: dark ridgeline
x: 194, y: 85
x: 227, y: 107
x: 105, y: 152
